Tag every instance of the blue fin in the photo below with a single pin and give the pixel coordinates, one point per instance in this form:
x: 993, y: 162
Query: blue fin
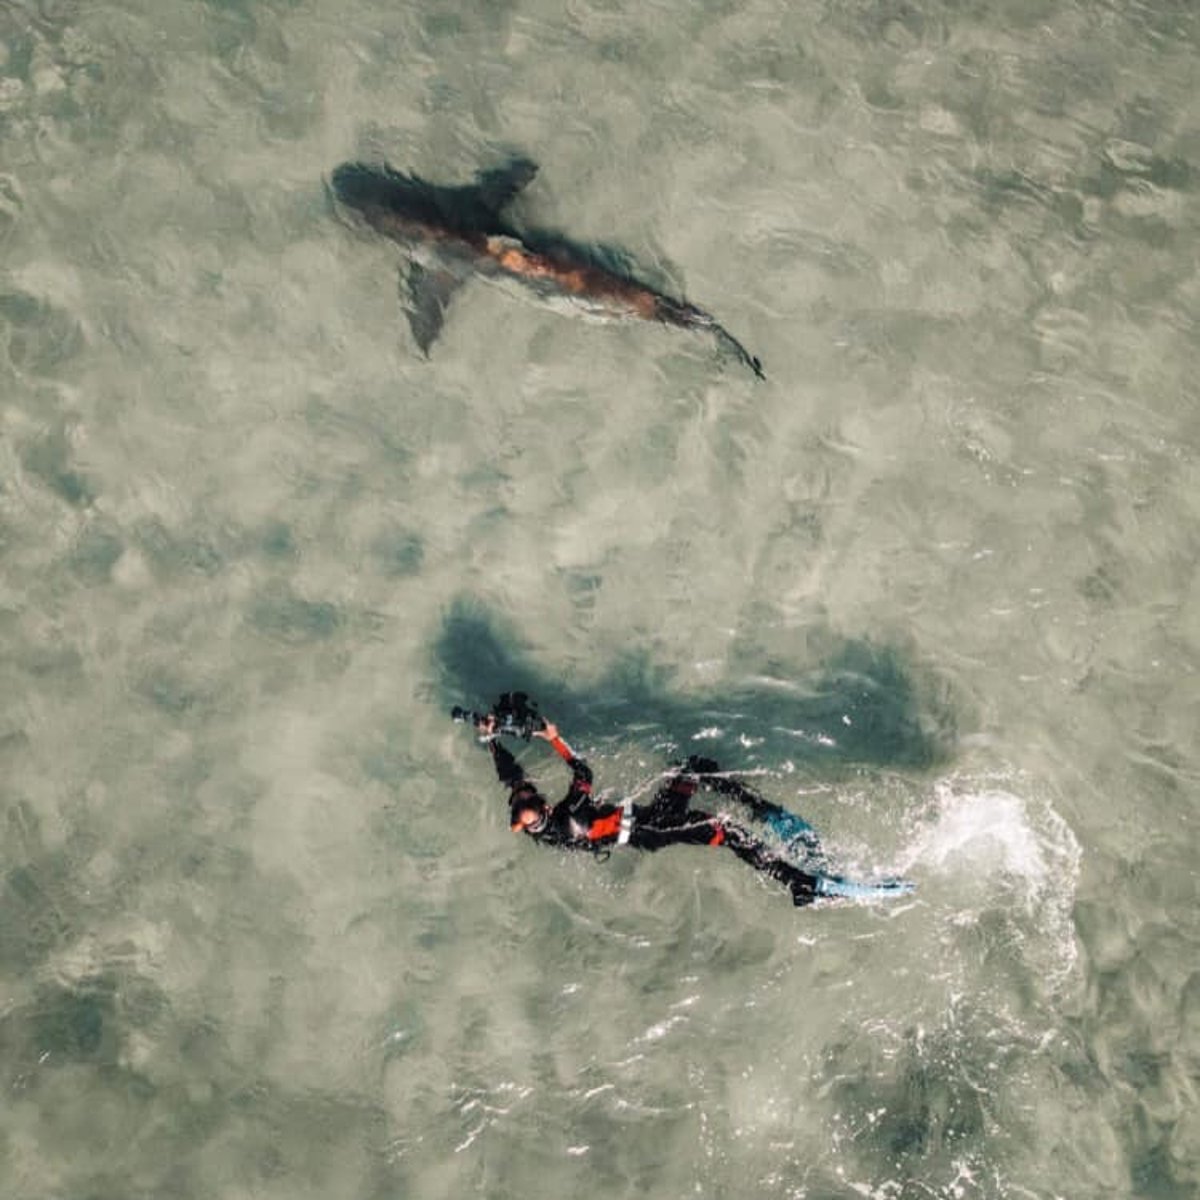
x: 883, y: 889
x: 799, y: 838
x: 788, y: 827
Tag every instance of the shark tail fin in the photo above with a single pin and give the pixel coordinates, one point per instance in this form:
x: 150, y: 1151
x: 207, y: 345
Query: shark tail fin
x: 725, y: 338
x: 680, y: 312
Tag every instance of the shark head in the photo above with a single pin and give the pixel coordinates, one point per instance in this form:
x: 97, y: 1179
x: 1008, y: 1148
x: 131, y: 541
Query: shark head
x: 359, y: 186
x: 474, y: 209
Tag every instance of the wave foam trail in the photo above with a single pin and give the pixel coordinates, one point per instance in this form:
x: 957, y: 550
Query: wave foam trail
x: 1017, y: 850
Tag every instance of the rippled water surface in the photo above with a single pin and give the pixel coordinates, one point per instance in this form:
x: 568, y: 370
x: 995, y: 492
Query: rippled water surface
x: 933, y: 584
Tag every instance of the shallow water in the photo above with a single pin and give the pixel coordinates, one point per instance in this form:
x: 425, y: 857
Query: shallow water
x: 933, y: 584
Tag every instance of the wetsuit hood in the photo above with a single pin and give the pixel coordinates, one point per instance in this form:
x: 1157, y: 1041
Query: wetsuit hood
x: 527, y: 800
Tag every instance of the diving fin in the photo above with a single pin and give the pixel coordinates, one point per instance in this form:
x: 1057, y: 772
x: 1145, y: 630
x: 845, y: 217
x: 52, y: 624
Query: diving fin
x: 792, y: 830
x: 849, y: 889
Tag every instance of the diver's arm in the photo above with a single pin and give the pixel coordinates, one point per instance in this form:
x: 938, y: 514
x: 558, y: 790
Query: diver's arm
x: 581, y: 773
x: 507, y: 767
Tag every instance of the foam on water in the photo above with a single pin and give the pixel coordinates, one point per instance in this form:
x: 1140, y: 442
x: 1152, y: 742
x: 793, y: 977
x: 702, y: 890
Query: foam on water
x: 997, y: 848
x: 956, y: 1044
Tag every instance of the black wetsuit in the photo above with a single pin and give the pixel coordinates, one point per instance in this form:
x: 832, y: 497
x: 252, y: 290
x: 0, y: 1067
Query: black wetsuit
x: 578, y: 822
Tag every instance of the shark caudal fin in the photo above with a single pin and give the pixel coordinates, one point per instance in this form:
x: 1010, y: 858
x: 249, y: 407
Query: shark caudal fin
x: 689, y: 316
x: 730, y: 342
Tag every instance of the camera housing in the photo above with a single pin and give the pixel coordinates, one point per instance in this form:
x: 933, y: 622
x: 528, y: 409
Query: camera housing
x: 515, y: 716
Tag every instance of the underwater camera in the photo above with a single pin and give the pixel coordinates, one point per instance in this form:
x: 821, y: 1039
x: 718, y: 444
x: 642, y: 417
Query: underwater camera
x: 516, y: 716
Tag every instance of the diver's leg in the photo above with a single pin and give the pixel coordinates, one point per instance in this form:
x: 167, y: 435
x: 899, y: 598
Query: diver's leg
x: 657, y: 826
x: 708, y: 775
x: 795, y: 832
x: 749, y: 849
x: 670, y: 805
x: 704, y: 829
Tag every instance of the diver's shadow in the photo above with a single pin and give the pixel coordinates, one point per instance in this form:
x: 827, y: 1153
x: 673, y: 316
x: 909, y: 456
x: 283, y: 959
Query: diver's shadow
x: 860, y: 705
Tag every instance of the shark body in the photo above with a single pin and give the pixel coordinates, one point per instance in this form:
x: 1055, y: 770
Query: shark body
x: 455, y: 233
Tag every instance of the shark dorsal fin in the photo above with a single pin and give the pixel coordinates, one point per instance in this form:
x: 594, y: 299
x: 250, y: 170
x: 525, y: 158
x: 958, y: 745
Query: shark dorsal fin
x: 498, y: 186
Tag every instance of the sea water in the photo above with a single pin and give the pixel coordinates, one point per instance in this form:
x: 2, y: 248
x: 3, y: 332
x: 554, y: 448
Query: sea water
x: 932, y: 585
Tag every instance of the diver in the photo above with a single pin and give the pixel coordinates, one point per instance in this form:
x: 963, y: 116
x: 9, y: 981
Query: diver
x: 579, y: 822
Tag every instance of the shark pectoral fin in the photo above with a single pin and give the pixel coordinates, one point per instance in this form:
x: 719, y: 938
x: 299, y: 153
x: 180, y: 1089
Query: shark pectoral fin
x: 499, y: 185
x: 429, y: 294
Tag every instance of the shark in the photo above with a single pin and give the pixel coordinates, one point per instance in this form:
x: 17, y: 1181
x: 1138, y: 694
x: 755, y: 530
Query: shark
x: 454, y: 233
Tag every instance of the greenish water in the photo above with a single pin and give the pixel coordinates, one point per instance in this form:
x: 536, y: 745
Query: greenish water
x: 263, y: 930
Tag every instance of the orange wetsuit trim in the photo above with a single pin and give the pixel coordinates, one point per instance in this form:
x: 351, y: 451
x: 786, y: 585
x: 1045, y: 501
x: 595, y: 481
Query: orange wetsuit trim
x: 604, y: 827
x: 564, y: 751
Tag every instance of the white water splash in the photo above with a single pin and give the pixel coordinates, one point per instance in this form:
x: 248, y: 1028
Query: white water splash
x: 1016, y: 851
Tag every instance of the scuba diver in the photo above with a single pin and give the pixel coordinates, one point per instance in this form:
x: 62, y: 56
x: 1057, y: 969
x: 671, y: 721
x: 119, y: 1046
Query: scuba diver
x: 580, y: 822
